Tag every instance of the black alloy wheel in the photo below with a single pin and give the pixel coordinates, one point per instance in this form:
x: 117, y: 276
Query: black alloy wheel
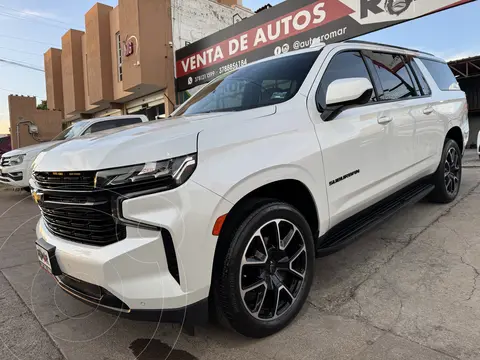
x: 265, y: 269
x: 452, y: 171
x: 273, y: 269
x: 448, y: 177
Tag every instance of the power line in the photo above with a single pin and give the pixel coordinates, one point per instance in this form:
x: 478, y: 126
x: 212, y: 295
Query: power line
x: 21, y: 51
x: 21, y: 64
x: 28, y: 19
x: 30, y: 14
x: 23, y: 39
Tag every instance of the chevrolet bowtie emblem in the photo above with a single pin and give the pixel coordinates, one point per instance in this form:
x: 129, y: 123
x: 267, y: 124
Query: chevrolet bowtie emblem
x: 37, y: 197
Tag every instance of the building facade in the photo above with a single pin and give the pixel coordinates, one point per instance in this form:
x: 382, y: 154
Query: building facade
x: 123, y: 63
x: 24, y: 112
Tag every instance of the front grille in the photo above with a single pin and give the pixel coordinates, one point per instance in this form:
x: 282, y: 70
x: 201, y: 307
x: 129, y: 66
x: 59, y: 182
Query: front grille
x: 82, y: 181
x: 74, y: 210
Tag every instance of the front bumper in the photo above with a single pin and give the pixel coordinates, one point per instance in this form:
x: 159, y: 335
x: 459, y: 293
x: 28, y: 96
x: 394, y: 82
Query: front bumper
x: 136, y: 270
x: 15, y: 176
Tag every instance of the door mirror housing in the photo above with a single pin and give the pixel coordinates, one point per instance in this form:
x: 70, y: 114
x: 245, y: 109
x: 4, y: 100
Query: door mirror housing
x: 351, y: 91
x: 346, y: 92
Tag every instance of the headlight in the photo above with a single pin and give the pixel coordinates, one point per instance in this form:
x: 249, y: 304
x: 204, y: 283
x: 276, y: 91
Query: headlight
x: 16, y: 160
x: 166, y: 173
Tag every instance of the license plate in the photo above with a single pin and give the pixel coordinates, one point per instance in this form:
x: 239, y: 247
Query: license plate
x: 44, y: 259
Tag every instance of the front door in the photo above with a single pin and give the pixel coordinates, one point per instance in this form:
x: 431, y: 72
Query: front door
x: 365, y: 147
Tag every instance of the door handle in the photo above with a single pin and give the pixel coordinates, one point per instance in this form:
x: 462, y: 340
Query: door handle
x: 428, y: 110
x: 385, y: 120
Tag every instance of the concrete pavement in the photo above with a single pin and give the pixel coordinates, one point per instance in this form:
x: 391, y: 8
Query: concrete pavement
x: 407, y: 290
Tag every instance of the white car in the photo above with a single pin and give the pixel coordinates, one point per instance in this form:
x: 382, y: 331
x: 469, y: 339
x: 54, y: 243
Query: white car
x: 228, y: 203
x: 15, y: 165
x: 478, y: 144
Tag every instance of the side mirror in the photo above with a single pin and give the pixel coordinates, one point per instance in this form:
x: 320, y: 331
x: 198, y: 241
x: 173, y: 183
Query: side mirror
x: 345, y: 92
x: 351, y: 91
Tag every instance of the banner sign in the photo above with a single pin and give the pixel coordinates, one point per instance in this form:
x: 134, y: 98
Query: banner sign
x: 293, y: 25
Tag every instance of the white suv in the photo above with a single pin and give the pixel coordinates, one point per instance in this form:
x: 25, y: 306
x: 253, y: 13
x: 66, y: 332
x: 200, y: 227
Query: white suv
x: 228, y: 203
x: 16, y: 165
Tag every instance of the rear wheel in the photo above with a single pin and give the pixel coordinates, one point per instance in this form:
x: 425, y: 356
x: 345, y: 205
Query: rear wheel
x: 267, y: 271
x: 448, y: 177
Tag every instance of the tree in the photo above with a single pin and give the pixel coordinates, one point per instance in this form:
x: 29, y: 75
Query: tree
x: 43, y: 105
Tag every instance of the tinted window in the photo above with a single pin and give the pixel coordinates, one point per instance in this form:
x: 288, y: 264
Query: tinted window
x: 111, y: 124
x: 72, y: 131
x: 424, y: 88
x: 127, y: 121
x: 408, y: 61
x: 265, y: 83
x: 395, y: 79
x: 343, y: 66
x: 442, y: 75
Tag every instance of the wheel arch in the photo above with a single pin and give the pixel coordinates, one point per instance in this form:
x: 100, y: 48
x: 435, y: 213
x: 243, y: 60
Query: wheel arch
x: 455, y: 134
x: 292, y: 191
x: 282, y: 183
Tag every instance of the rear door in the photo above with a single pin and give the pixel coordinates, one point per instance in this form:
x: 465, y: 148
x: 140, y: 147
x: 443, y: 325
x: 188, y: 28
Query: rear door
x: 397, y: 90
x: 446, y: 103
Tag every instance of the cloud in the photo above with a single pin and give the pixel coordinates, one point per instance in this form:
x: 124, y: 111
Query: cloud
x: 34, y: 13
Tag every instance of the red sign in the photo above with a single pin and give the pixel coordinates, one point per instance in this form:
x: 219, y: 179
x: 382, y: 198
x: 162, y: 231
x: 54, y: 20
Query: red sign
x: 291, y: 24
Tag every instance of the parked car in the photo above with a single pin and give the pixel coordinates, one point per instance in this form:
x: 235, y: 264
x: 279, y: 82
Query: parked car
x: 228, y: 203
x: 478, y: 144
x: 15, y: 165
x: 5, y: 144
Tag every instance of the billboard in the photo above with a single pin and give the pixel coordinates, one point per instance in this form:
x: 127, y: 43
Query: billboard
x: 289, y: 26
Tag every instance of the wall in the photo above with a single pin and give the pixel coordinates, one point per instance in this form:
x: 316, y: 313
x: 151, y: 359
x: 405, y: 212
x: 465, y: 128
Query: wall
x: 49, y: 122
x: 118, y: 91
x: 97, y: 32
x: 72, y: 72
x: 145, y: 23
x: 89, y: 71
x: 53, y: 78
x: 195, y: 19
x: 88, y: 103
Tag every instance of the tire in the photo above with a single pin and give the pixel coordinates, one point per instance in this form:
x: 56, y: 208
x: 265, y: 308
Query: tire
x: 397, y: 7
x: 27, y: 189
x: 448, y: 177
x: 284, y: 270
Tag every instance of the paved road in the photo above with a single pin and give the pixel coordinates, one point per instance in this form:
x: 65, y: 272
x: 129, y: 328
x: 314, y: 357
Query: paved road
x: 407, y: 290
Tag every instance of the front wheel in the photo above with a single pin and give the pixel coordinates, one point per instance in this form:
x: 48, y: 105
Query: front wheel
x: 267, y: 271
x: 448, y: 177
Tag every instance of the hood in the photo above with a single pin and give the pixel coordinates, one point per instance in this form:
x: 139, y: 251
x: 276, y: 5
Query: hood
x: 145, y: 142
x: 32, y: 150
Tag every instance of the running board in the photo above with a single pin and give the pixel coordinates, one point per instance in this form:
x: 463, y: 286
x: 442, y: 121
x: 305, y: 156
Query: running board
x: 351, y: 229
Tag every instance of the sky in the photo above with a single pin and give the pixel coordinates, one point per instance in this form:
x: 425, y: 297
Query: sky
x: 29, y: 27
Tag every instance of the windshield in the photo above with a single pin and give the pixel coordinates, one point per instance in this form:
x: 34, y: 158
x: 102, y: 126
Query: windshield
x: 71, y: 132
x: 265, y: 83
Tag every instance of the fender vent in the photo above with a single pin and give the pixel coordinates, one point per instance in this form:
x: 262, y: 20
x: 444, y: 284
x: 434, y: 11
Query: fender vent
x: 170, y: 255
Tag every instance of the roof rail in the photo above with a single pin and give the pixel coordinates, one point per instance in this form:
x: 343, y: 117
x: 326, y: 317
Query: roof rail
x: 392, y: 46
